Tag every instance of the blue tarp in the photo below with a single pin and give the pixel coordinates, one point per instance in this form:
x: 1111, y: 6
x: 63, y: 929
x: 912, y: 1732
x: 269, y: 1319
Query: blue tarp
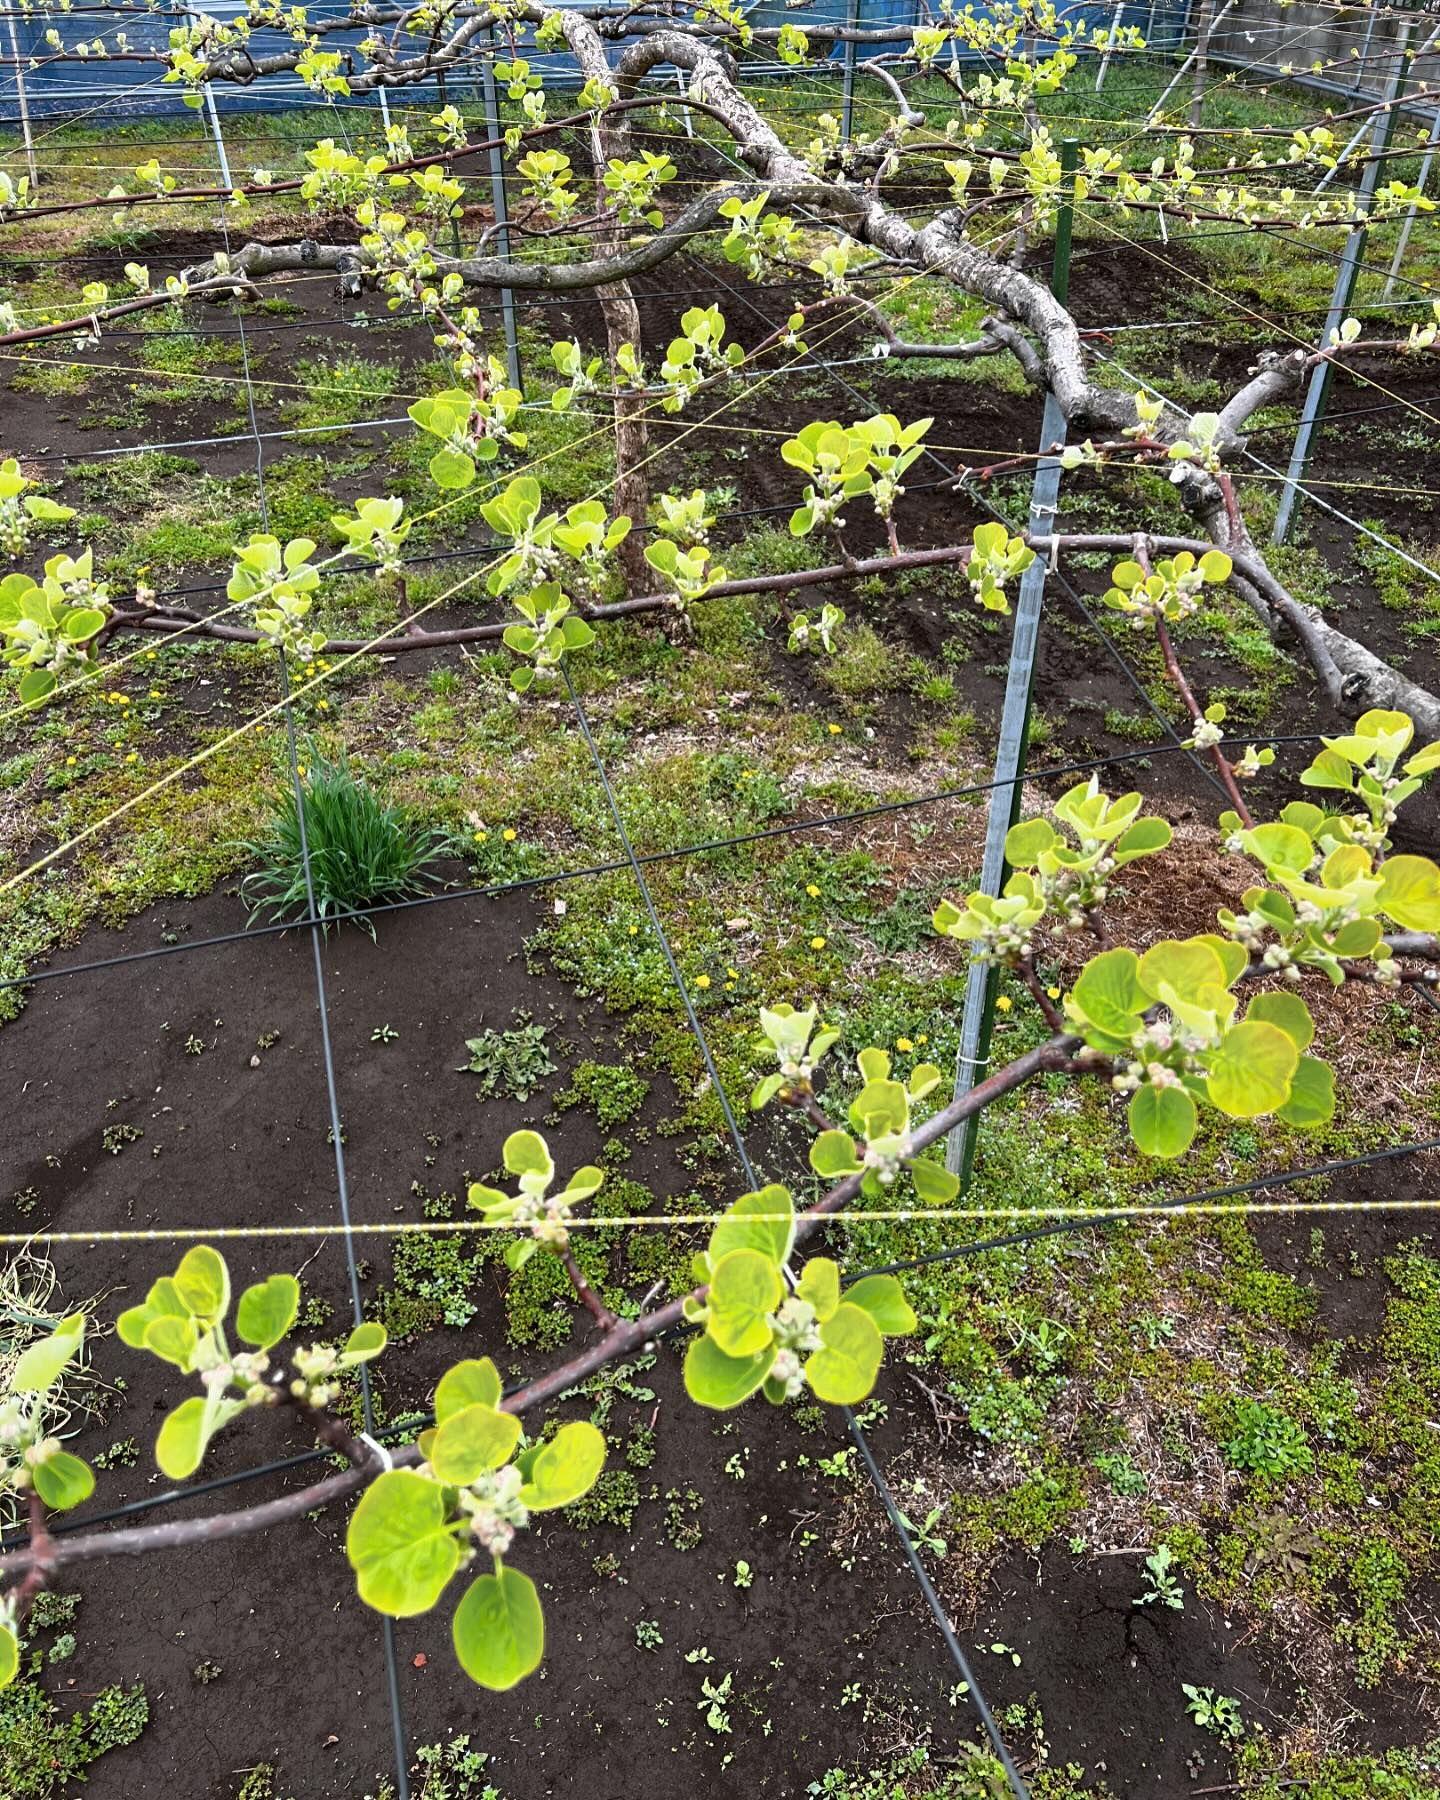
x: 106, y: 87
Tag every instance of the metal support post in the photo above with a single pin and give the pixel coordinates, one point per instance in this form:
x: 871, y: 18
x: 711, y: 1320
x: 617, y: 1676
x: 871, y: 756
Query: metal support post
x: 502, y: 213
x: 24, y: 100
x: 1180, y: 73
x: 978, y: 1021
x: 1345, y: 278
x: 847, y: 107
x: 1109, y: 45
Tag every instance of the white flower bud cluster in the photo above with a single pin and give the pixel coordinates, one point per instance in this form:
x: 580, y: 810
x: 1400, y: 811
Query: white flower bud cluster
x: 494, y: 1508
x: 1158, y: 1040
x: 886, y: 1155
x: 1207, y: 735
x: 1249, y: 765
x: 16, y: 1423
x: 1278, y: 960
x: 547, y: 1217
x: 314, y: 1365
x: 797, y: 1331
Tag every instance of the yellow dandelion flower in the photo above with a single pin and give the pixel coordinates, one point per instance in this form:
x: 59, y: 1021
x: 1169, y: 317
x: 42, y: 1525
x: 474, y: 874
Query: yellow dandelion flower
x: 1003, y: 1004
x: 817, y: 943
x: 903, y: 1045
x: 813, y: 891
x: 510, y: 834
x: 834, y: 730
x: 702, y: 981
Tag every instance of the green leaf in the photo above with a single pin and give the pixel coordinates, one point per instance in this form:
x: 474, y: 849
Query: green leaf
x: 1109, y: 994
x: 1410, y: 892
x: 452, y: 469
x: 364, y: 1342
x: 9, y: 1656
x: 180, y: 1445
x: 1027, y: 842
x: 883, y: 1298
x: 267, y: 1310
x: 473, y: 1383
x: 565, y: 1468
x: 1281, y: 847
x: 843, y: 1370
x: 36, y: 685
x: 933, y: 1181
x: 499, y: 1629
x: 833, y: 1155
x: 763, y: 1221
x: 744, y: 1287
x: 1289, y: 1012
x: 1328, y: 771
x: 63, y: 1480
x: 1187, y: 966
x: 399, y: 1544
x: 1162, y: 1120
x: 172, y: 1337
x: 526, y: 1153
x: 1251, y: 1071
x: 42, y: 1365
x: 1144, y: 838
x: 819, y: 1283
x: 203, y: 1282
x: 134, y: 1321
x: 1357, y: 938
x: 719, y: 1381
x: 1312, y: 1095
x: 471, y: 1441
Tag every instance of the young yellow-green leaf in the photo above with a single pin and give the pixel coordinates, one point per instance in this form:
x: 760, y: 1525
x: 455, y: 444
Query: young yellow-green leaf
x: 471, y: 1441
x: 820, y: 1284
x: 744, y: 1288
x: 1234, y: 958
x: 1281, y: 847
x: 399, y: 1544
x: 267, y: 1310
x: 564, y: 1468
x: 883, y: 1298
x: 1356, y: 938
x: 499, y: 1629
x: 42, y: 1365
x: 1410, y: 892
x: 1027, y: 842
x: 526, y: 1153
x: 473, y: 1383
x: 1312, y: 1095
x: 933, y: 1181
x: 9, y: 1656
x: 719, y: 1381
x: 763, y: 1221
x: 172, y: 1338
x: 1289, y: 1012
x: 1162, y: 1120
x: 1109, y: 994
x: 180, y: 1445
x: 1187, y: 965
x: 833, y: 1155
x: 364, y: 1342
x: 1251, y: 1071
x: 844, y: 1368
x: 162, y: 1298
x: 203, y: 1283
x: 63, y: 1480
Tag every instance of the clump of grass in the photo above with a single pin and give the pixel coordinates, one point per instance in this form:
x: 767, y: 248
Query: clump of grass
x: 362, y: 851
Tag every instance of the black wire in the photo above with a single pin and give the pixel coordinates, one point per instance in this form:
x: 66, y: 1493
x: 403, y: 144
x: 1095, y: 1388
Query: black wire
x: 737, y: 1138
x: 828, y: 821
x: 1062, y: 1226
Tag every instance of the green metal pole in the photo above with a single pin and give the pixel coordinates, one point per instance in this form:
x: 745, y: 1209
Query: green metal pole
x: 978, y: 1021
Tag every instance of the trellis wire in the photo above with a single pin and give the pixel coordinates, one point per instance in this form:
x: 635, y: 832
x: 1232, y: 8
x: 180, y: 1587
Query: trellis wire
x: 635, y: 862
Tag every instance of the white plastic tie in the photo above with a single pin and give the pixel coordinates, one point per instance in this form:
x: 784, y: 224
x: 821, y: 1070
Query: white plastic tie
x: 379, y: 1449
